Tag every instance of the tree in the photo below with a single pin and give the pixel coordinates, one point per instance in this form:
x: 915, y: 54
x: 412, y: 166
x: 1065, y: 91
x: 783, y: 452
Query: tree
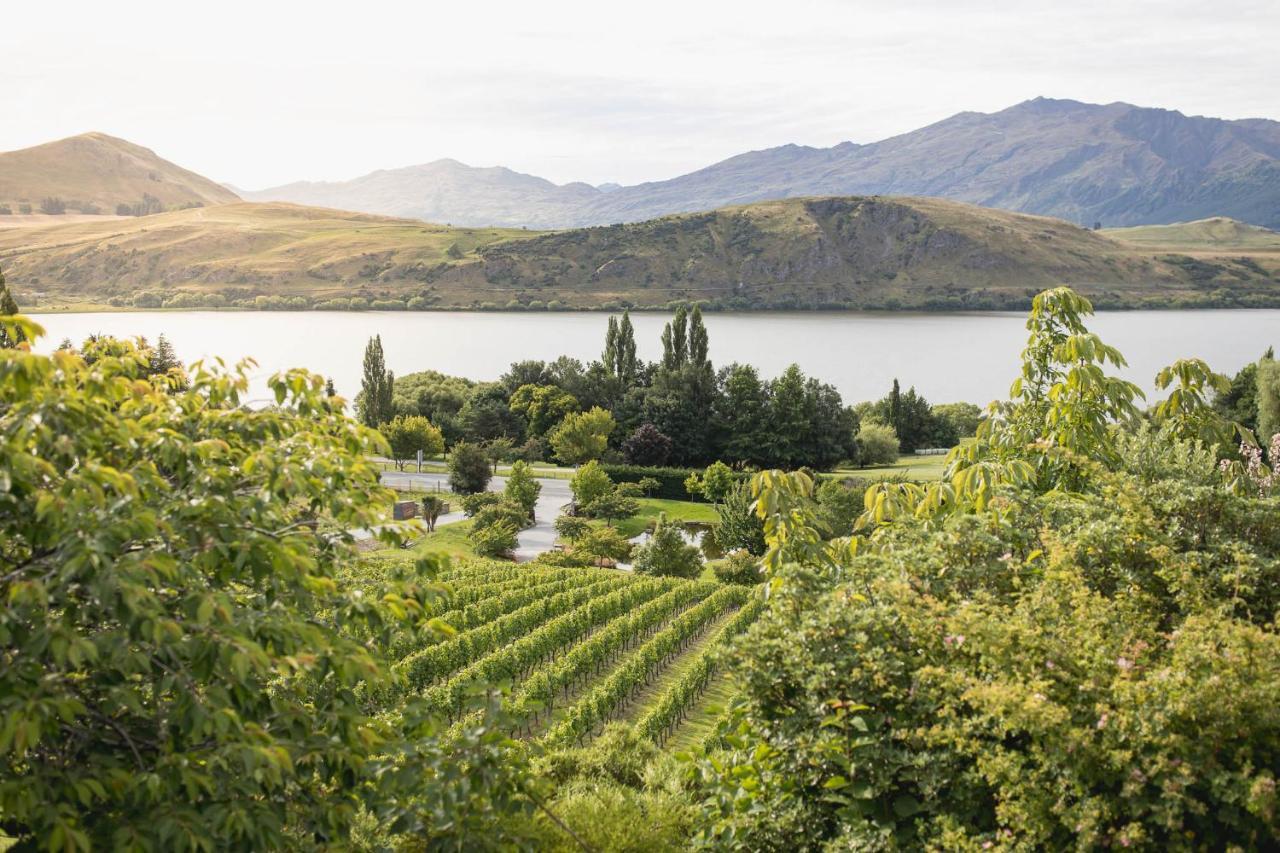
x: 53, y: 206
x: 613, y: 506
x: 739, y: 567
x: 543, y: 406
x: 376, y: 386
x: 714, y: 484
x: 740, y: 528
x: 329, y: 390
x: 962, y: 418
x: 740, y: 415
x: 468, y: 468
x: 879, y: 444
x: 571, y: 527
x: 675, y: 341
x: 648, y: 485
x: 186, y: 664
x: 698, y: 342
x: 10, y: 336
x: 583, y: 436
x: 409, y: 434
x: 666, y: 553
x: 433, y: 506
x: 603, y: 544
x: 610, y: 356
x: 522, y: 489
x: 647, y: 446
x: 500, y: 450
x: 589, y: 482
x: 1268, y: 393
x: 627, y: 365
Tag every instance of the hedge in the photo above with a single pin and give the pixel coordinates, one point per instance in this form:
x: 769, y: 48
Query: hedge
x: 670, y: 480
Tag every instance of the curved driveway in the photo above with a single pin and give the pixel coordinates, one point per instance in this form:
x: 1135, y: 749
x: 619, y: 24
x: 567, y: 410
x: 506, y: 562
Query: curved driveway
x: 531, y: 541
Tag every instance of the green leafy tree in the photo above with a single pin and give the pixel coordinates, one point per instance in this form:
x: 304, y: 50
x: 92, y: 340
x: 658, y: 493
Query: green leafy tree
x: 185, y: 665
x: 408, y: 434
x: 500, y: 450
x: 583, y: 436
x: 878, y: 444
x: 543, y: 406
x: 571, y: 527
x: 590, y: 482
x: 613, y: 506
x: 698, y: 342
x: 666, y: 553
x: 468, y: 469
x: 739, y: 528
x: 648, y: 485
x: 740, y: 567
x: 962, y: 419
x: 603, y: 545
x: 741, y: 415
x: 376, y: 386
x: 522, y: 489
x: 716, y: 482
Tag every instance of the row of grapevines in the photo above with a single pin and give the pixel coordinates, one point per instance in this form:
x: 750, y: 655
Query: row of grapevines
x: 640, y: 667
x: 425, y: 666
x: 538, y: 693
x: 514, y: 661
x: 669, y: 713
x: 487, y: 602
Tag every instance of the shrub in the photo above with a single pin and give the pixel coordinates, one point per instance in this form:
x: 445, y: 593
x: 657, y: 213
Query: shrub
x: 468, y: 468
x: 502, y: 512
x: 571, y: 527
x: 473, y: 503
x: 603, y: 544
x: 494, y: 540
x: 666, y: 553
x: 613, y: 505
x: 738, y: 567
x: 714, y: 484
x: 878, y: 443
x: 671, y: 481
x: 840, y: 502
x: 647, y: 446
x: 739, y: 528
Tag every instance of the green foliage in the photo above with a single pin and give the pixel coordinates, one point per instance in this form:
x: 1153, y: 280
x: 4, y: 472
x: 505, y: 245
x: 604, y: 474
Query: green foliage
x: 739, y: 528
x: 878, y: 444
x: 1268, y: 395
x: 477, y: 501
x: 614, y: 505
x: 571, y: 527
x: 840, y: 503
x: 647, y: 446
x: 916, y: 423
x: 714, y: 484
x: 962, y: 419
x: 603, y: 544
x: 522, y: 489
x: 408, y: 434
x: 582, y: 436
x: 494, y: 540
x: 1187, y: 411
x: 671, y: 481
x: 184, y: 662
x: 590, y: 482
x: 376, y: 386
x: 542, y: 406
x: 667, y: 554
x: 741, y: 567
x: 468, y: 468
x: 503, y: 512
x: 433, y: 506
x: 648, y: 485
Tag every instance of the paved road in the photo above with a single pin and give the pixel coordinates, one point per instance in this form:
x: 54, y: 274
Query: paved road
x: 531, y: 541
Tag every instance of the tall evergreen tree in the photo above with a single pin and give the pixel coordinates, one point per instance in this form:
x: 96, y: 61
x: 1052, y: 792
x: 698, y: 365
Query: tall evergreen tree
x: 375, y: 385
x: 895, y: 407
x: 669, y: 362
x: 8, y: 307
x: 698, y: 343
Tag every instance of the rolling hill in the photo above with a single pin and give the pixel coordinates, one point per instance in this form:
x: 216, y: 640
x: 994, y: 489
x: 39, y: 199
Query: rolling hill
x: 847, y: 252
x: 1117, y: 164
x: 97, y: 169
x: 1217, y: 234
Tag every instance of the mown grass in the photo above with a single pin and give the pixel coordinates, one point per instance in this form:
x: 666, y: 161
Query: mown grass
x: 651, y: 508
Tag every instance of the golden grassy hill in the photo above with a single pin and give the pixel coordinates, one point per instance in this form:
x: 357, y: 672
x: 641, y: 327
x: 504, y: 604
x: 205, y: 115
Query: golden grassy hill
x: 867, y: 252
x: 1218, y: 234
x: 102, y: 170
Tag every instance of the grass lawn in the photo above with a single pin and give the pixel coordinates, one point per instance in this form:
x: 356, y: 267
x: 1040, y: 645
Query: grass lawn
x: 650, y: 508
x: 911, y: 467
x: 448, y: 539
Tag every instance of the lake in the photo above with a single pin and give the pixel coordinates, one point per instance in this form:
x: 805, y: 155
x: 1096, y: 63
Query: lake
x: 947, y: 356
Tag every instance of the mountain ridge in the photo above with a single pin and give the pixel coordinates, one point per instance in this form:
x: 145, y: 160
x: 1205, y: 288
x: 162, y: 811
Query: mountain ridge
x: 1116, y: 163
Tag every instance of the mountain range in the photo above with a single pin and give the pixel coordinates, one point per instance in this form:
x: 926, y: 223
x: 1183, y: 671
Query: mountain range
x: 1114, y: 164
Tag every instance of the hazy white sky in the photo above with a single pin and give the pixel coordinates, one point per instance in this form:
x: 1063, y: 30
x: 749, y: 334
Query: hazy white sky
x: 265, y: 92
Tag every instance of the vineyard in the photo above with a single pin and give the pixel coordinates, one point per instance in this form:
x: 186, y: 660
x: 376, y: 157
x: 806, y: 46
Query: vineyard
x: 578, y: 648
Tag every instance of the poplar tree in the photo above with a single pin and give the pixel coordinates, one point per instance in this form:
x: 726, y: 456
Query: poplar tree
x: 610, y: 356
x: 698, y: 343
x: 627, y: 365
x: 375, y: 385
x: 680, y: 337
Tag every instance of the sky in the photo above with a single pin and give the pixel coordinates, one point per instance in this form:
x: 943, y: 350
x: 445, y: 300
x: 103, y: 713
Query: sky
x: 267, y: 92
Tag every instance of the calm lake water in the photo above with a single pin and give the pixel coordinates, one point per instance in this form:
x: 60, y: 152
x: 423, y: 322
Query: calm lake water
x: 947, y: 357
